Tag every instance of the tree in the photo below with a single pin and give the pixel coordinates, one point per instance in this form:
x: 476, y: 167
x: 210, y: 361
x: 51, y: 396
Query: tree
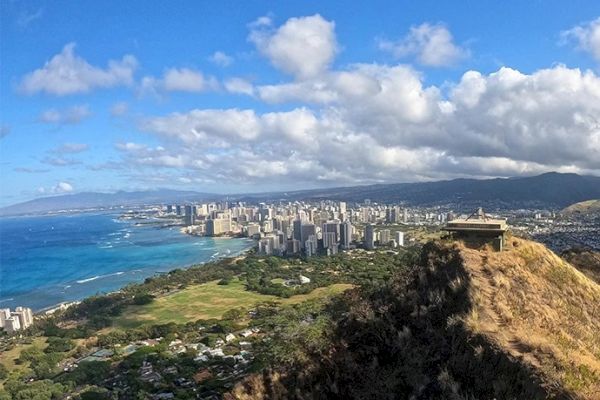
x: 59, y: 345
x: 3, y: 372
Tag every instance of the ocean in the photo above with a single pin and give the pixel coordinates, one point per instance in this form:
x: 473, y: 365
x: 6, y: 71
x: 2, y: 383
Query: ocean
x: 46, y: 260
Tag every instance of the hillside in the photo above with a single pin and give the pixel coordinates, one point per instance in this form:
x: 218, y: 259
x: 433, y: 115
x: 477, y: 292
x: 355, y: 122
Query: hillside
x: 545, y: 191
x: 550, y: 190
x: 540, y: 309
x: 583, y: 207
x: 465, y: 324
x: 585, y: 260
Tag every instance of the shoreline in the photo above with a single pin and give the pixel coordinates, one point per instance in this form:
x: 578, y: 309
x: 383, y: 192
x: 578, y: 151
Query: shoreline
x: 49, y: 296
x: 49, y: 310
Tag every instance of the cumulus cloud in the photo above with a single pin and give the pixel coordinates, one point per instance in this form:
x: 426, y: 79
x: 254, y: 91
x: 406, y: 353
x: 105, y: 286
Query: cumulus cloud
x: 59, y: 188
x: 586, y: 37
x: 432, y: 45
x: 369, y: 122
x: 221, y: 59
x: 303, y: 47
x: 178, y: 80
x: 71, y: 115
x: 66, y: 73
x: 381, y: 123
x: 239, y: 86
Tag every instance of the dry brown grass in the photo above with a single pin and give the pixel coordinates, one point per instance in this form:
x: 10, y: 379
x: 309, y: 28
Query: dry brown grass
x: 540, y: 309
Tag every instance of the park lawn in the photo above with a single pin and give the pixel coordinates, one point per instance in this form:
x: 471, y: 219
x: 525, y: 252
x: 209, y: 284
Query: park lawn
x: 7, y: 358
x: 206, y: 301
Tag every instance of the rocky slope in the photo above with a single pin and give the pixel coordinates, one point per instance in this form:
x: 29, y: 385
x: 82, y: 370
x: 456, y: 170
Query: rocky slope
x: 464, y: 324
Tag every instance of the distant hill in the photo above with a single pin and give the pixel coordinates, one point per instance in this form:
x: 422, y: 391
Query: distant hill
x: 466, y: 324
x: 88, y: 200
x: 551, y: 190
x: 583, y: 207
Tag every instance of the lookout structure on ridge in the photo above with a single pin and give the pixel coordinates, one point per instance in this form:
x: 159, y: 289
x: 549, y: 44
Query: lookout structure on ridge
x: 479, y: 229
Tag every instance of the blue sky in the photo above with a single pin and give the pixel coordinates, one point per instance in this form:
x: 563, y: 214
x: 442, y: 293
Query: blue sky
x: 250, y: 96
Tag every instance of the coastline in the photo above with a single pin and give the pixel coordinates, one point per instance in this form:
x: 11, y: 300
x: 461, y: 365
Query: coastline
x: 65, y: 264
x: 49, y: 310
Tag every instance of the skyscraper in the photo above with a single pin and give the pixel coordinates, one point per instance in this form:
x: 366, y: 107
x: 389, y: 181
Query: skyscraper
x: 190, y: 216
x: 400, y: 238
x: 346, y: 234
x: 369, y: 237
x: 332, y: 227
x: 384, y: 236
x: 298, y: 231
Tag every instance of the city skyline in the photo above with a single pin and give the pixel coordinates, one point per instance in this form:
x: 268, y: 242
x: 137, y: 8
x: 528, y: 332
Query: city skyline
x: 281, y: 97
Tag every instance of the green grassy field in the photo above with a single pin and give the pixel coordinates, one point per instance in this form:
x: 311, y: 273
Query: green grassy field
x: 7, y: 358
x: 206, y: 301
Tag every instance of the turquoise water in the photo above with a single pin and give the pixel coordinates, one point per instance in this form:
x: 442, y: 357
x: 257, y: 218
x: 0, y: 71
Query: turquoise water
x: 52, y: 259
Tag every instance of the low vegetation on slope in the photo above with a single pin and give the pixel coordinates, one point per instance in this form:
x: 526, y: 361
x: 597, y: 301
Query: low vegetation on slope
x: 583, y: 207
x: 462, y: 324
x: 585, y: 260
x: 540, y: 309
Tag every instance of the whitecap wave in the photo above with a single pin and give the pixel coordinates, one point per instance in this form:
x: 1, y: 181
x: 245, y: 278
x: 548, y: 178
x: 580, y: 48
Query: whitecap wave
x: 99, y: 277
x: 88, y: 279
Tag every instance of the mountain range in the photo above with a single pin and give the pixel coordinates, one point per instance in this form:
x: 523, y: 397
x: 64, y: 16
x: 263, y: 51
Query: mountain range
x: 549, y: 190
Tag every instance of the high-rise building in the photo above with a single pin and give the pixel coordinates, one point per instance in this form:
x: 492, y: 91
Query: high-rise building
x: 169, y: 209
x: 293, y: 246
x: 346, y: 234
x: 12, y: 324
x: 342, y: 207
x: 332, y: 227
x: 298, y: 230
x: 252, y: 229
x: 25, y: 316
x: 4, y: 315
x: 178, y: 209
x: 267, y: 225
x: 219, y: 225
x: 384, y: 236
x: 308, y: 230
x: 190, y: 215
x: 310, y: 245
x: 369, y: 237
x: 400, y: 238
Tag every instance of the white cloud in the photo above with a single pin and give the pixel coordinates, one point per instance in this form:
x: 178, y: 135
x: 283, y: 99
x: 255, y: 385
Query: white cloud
x: 71, y: 115
x: 59, y: 188
x: 63, y: 187
x: 67, y: 73
x: 60, y: 161
x: 27, y: 18
x: 432, y: 45
x: 178, y: 80
x: 71, y: 148
x: 221, y: 59
x: 380, y: 123
x: 184, y: 80
x: 239, y: 86
x: 586, y: 36
x: 303, y: 47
